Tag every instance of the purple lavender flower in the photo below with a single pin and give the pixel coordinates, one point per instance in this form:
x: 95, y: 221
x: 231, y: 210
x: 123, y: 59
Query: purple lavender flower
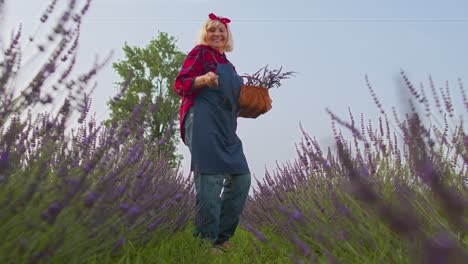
x: 305, y: 250
x: 154, y: 224
x: 118, y: 244
x: 267, y: 78
x: 443, y: 249
x: 52, y: 212
x: 120, y: 191
x: 257, y: 233
x: 126, y: 132
x: 298, y: 215
x: 88, y: 167
x: 133, y: 211
x: 48, y: 162
x: 178, y: 197
x: 90, y: 199
x: 4, y: 161
x: 124, y: 206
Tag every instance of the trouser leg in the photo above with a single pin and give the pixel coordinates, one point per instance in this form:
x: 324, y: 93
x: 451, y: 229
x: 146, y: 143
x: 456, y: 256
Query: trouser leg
x: 217, y: 218
x: 236, y: 190
x: 208, y: 205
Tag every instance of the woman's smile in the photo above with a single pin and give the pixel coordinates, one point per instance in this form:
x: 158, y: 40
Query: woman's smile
x: 217, y: 37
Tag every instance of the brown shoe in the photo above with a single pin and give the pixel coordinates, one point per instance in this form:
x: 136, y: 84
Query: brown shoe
x: 217, y: 250
x: 226, y: 245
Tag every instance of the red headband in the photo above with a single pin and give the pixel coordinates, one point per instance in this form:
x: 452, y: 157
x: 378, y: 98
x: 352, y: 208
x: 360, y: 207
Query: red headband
x: 223, y: 20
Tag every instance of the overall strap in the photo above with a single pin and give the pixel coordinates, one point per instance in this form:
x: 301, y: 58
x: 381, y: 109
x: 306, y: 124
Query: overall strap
x: 212, y: 55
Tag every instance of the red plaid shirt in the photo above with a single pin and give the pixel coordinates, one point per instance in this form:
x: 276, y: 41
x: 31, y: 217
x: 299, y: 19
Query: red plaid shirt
x: 198, y: 62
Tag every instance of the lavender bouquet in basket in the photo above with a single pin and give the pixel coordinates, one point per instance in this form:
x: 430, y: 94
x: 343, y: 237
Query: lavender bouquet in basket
x: 254, y: 99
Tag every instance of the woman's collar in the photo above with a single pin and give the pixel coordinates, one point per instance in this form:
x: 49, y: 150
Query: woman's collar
x: 223, y: 54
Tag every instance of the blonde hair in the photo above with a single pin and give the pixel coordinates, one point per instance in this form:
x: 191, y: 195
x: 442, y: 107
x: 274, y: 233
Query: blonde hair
x: 201, y: 39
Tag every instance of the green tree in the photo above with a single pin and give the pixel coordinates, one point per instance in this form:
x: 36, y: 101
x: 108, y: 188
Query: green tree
x: 148, y: 74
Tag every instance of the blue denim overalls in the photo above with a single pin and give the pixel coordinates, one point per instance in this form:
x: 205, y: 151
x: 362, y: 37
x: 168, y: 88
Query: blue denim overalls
x: 217, y: 157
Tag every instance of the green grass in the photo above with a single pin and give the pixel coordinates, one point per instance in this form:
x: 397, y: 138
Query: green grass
x: 182, y: 247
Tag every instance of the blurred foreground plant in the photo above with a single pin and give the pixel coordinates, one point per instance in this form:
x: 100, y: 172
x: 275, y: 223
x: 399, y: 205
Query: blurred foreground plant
x: 82, y: 193
x: 390, y: 193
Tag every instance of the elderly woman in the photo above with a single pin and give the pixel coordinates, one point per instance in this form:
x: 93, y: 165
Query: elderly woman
x: 209, y: 87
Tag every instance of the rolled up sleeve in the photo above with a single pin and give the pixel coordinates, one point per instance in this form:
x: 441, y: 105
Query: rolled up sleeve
x: 191, y: 68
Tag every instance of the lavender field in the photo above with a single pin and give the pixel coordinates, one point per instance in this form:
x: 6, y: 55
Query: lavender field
x: 72, y: 190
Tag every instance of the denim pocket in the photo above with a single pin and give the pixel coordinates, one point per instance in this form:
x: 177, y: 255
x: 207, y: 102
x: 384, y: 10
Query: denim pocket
x: 188, y: 128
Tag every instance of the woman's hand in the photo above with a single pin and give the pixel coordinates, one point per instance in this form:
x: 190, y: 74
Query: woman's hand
x: 210, y: 79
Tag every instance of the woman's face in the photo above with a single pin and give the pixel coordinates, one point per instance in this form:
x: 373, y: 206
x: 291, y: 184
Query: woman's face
x: 217, y: 37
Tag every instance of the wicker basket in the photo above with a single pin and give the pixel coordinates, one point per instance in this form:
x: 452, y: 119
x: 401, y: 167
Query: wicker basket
x: 253, y: 101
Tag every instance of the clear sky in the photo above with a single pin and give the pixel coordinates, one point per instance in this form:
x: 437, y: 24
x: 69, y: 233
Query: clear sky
x: 332, y: 44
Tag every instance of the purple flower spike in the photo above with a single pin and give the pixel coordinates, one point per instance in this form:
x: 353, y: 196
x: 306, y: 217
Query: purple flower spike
x: 282, y: 209
x: 139, y: 173
x: 118, y: 243
x: 305, y: 250
x: 154, y: 224
x: 428, y: 173
x: 88, y: 167
x: 54, y: 208
x: 134, y: 210
x: 298, y: 215
x: 257, y: 234
x: 90, y: 199
x: 4, y: 160
x: 120, y: 190
x: 74, y: 183
x: 124, y: 206
x: 441, y: 249
x: 126, y: 132
x: 52, y: 212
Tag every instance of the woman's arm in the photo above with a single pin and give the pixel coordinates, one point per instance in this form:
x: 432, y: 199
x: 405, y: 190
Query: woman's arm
x: 194, y: 75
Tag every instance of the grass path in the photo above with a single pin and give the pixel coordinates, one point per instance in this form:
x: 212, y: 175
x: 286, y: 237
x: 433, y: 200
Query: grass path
x: 183, y: 248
